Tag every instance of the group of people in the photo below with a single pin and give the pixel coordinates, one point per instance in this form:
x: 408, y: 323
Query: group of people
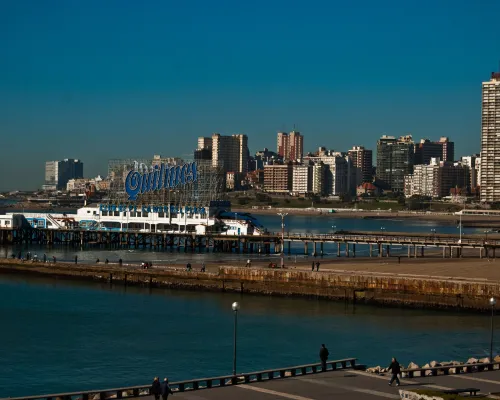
x: 162, y: 389
x: 315, y: 264
x: 394, y: 368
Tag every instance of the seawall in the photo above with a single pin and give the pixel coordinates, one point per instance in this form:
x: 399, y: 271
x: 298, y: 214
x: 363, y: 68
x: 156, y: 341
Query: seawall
x: 357, y: 287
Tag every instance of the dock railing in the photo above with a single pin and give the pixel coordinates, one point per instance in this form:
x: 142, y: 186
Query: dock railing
x: 198, y: 384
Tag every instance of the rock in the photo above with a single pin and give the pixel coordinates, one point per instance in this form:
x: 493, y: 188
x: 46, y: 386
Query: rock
x: 484, y: 360
x: 426, y: 366
x: 496, y: 359
x: 412, y: 365
x: 472, y: 361
x: 434, y: 364
x: 374, y: 370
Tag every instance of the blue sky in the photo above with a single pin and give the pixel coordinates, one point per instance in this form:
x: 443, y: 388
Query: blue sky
x: 108, y: 79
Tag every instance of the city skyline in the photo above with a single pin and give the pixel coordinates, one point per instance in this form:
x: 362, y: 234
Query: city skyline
x: 358, y: 72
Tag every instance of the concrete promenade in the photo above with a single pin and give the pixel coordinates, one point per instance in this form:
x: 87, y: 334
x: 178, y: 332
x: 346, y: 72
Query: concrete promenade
x: 347, y: 384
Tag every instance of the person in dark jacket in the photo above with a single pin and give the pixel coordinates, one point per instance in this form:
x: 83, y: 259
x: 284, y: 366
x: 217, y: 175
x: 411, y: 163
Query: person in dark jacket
x: 165, y: 389
x: 312, y: 266
x: 395, y: 369
x: 156, y: 388
x: 323, y: 356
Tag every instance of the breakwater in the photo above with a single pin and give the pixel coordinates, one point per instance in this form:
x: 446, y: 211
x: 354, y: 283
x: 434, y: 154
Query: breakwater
x: 356, y: 287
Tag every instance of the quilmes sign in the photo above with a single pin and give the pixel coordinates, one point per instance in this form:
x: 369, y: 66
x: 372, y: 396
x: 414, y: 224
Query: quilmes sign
x: 162, y: 176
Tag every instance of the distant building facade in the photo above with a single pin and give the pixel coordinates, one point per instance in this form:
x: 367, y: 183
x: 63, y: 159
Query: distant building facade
x: 278, y: 178
x: 425, y: 150
x: 232, y: 151
x: 58, y: 173
x: 362, y: 161
x: 394, y: 161
x: 290, y: 146
x: 490, y: 145
x: 437, y: 179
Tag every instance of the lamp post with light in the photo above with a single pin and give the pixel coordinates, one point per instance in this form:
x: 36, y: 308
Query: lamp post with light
x: 283, y: 215
x: 493, y: 302
x: 235, y: 306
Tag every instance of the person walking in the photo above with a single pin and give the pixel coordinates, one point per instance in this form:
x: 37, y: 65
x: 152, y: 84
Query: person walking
x: 317, y: 266
x: 76, y: 259
x: 165, y: 389
x: 323, y: 356
x: 156, y: 388
x: 395, y: 369
x: 312, y: 266
x: 248, y: 263
x: 44, y: 257
x: 120, y: 262
x: 203, y: 267
x: 54, y: 259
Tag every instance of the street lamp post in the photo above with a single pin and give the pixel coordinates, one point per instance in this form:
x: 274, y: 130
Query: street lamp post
x: 235, y: 306
x: 493, y: 302
x: 282, y: 215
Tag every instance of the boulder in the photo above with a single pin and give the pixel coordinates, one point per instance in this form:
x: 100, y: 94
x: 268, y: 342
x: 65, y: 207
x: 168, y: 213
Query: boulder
x: 434, y: 364
x: 472, y: 360
x: 496, y: 359
x: 484, y: 360
x: 412, y: 365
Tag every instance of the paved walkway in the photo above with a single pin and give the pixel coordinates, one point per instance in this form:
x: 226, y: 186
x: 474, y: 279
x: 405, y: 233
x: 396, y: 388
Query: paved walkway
x: 355, y: 385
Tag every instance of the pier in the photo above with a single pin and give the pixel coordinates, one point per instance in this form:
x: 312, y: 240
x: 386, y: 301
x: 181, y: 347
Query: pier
x: 342, y: 379
x: 379, y: 244
x: 386, y: 284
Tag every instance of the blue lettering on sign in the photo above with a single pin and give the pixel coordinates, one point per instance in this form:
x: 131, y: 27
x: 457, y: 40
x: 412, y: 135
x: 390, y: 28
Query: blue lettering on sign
x: 161, y: 177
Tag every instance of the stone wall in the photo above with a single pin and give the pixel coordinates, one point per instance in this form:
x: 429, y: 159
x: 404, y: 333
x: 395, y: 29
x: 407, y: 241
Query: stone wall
x: 404, y: 291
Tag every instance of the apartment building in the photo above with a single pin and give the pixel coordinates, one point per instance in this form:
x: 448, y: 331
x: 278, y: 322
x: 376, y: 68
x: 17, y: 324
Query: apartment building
x: 231, y: 151
x: 394, y: 161
x: 490, y: 145
x: 278, y: 178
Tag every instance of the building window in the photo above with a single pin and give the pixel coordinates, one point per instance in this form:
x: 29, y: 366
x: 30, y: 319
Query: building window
x: 104, y: 214
x: 117, y: 213
x: 138, y: 214
x: 145, y: 214
x: 161, y: 215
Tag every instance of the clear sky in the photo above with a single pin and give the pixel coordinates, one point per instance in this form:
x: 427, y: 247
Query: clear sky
x: 109, y: 79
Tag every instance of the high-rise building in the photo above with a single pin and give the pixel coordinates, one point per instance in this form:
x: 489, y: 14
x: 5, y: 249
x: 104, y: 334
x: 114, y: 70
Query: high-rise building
x: 232, y: 151
x: 490, y: 145
x: 58, y: 173
x: 290, y: 146
x: 425, y: 150
x: 394, y: 161
x: 362, y: 161
x: 282, y: 146
x: 470, y: 161
x: 204, y: 143
x: 295, y: 146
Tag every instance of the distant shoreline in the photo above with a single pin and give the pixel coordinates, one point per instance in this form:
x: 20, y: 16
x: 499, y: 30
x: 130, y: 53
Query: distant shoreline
x: 467, y: 220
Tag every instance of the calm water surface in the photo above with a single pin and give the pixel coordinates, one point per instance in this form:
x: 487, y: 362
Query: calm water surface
x: 62, y: 335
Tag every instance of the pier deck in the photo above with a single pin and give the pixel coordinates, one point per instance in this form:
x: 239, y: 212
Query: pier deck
x: 349, y: 385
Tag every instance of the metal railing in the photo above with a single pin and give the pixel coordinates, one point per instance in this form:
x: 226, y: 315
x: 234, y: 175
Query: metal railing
x: 198, y: 384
